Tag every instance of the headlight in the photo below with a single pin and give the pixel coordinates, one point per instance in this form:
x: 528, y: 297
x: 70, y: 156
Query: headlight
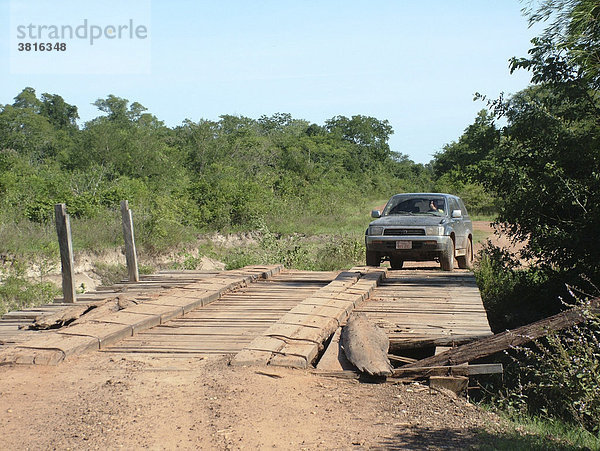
x: 375, y: 230
x: 434, y: 230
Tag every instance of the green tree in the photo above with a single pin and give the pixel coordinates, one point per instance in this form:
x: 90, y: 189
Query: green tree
x: 546, y: 169
x: 570, y: 45
x: 27, y: 99
x: 462, y: 158
x: 546, y: 174
x: 369, y: 135
x: 59, y: 113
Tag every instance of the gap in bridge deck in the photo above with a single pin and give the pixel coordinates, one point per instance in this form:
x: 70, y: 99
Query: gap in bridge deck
x: 231, y: 322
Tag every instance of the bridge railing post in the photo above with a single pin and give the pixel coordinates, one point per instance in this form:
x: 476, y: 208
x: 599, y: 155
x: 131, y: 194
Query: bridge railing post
x: 65, y: 243
x: 130, y: 252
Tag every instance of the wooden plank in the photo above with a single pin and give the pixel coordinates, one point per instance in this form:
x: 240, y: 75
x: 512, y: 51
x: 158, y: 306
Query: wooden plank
x: 294, y: 331
x: 366, y: 346
x: 334, y: 358
x: 317, y: 322
x: 68, y: 344
x: 59, y: 317
x: 187, y: 342
x: 106, y: 333
x: 138, y: 321
x: 454, y: 370
x: 268, y: 344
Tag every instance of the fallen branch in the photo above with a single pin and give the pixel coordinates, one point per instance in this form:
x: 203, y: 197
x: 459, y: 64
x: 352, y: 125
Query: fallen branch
x: 499, y: 342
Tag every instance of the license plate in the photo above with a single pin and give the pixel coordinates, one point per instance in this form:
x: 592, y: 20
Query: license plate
x: 403, y: 244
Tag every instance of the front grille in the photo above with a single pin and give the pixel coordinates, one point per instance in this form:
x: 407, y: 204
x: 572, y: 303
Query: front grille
x: 402, y: 232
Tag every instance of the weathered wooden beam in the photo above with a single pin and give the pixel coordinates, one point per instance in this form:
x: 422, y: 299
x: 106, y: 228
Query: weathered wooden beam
x: 130, y: 253
x: 455, y: 370
x: 499, y: 342
x: 423, y: 373
x: 65, y: 243
x: 59, y: 318
x: 399, y: 344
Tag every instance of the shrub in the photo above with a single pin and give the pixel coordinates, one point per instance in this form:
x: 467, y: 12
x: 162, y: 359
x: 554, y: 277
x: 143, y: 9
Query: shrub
x: 514, y: 295
x: 558, y: 377
x: 17, y: 292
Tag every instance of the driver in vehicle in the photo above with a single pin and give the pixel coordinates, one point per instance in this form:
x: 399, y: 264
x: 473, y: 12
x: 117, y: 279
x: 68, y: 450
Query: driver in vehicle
x: 433, y: 207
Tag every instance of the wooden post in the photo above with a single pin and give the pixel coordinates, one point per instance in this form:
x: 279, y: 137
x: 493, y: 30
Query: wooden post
x: 63, y: 229
x: 130, y: 254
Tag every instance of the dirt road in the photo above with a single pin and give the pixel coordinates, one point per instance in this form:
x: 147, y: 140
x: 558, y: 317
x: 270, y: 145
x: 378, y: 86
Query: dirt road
x: 112, y: 400
x: 103, y: 400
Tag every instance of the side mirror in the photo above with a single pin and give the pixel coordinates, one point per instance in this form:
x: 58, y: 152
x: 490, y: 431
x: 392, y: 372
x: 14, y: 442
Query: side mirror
x: 456, y: 214
x: 375, y: 214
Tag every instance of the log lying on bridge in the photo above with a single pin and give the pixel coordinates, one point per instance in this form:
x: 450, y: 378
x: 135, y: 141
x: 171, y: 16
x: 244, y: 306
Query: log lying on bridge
x: 499, y: 342
x: 366, y: 346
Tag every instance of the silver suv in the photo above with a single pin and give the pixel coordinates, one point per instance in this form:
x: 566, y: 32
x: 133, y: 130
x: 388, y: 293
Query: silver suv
x: 421, y: 227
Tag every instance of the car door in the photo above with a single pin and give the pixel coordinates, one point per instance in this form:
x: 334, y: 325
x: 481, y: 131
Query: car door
x: 458, y: 225
x: 467, y: 223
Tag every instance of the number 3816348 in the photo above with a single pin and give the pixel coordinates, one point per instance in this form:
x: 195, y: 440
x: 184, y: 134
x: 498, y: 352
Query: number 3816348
x: 42, y: 47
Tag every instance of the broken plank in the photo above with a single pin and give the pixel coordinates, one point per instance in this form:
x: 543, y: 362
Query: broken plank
x: 454, y: 370
x: 398, y: 342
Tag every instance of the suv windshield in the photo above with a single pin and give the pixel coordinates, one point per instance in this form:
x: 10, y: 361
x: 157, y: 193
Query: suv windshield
x: 416, y: 205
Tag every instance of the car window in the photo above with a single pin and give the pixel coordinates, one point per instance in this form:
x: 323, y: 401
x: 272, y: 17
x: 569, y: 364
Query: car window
x: 414, y: 205
x: 462, y: 207
x: 453, y: 205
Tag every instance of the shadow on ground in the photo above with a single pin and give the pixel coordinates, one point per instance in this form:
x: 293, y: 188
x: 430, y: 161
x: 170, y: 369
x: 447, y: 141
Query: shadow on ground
x: 419, y: 438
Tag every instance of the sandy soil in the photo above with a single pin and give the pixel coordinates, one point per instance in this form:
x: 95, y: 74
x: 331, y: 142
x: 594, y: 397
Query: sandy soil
x: 105, y: 400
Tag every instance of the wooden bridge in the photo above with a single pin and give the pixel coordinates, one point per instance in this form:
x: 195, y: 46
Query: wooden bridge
x: 260, y: 315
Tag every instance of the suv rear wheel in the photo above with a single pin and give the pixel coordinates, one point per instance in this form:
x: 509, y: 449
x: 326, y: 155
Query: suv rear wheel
x: 466, y: 261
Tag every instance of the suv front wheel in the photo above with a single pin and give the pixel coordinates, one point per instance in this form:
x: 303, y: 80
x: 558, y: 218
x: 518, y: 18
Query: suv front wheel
x: 373, y: 259
x: 447, y: 258
x: 396, y: 262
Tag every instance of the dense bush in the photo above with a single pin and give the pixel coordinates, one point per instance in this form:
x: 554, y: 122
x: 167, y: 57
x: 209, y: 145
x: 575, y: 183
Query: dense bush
x: 17, y: 291
x: 556, y: 377
x: 514, y: 295
x: 230, y: 174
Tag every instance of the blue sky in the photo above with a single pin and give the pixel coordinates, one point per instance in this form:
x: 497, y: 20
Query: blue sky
x: 415, y: 63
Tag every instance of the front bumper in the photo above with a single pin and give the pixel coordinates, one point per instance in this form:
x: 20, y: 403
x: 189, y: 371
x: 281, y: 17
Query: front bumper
x: 420, y: 248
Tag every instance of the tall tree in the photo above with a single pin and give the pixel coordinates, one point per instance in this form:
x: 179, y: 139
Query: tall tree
x: 570, y: 44
x: 546, y: 169
x: 463, y: 157
x: 59, y: 113
x: 370, y: 136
